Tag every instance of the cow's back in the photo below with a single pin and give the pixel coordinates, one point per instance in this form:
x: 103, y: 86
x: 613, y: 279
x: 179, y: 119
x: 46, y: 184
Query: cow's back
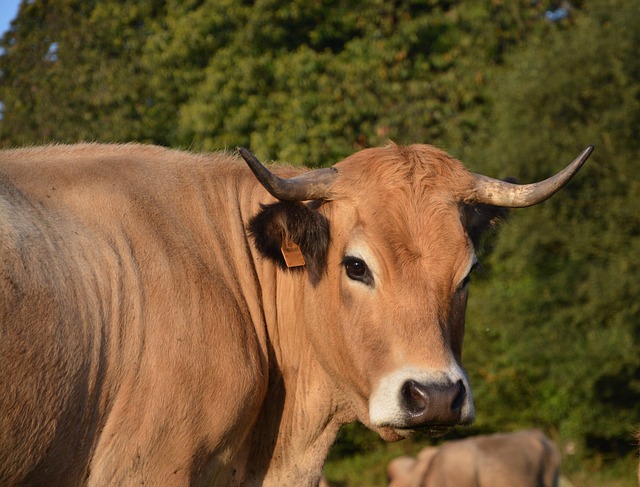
x: 47, y: 369
x: 119, y: 286
x: 525, y: 458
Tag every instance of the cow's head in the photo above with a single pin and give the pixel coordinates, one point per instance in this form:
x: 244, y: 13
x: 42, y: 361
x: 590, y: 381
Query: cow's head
x: 388, y: 238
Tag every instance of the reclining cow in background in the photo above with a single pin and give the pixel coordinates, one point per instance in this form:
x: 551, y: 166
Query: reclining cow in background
x: 522, y: 459
x: 171, y: 319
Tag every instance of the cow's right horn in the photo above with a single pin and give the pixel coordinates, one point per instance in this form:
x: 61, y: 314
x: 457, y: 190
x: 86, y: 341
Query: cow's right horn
x: 500, y: 193
x: 313, y: 185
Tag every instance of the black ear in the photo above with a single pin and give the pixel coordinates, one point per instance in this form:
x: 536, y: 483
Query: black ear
x: 298, y: 223
x: 480, y: 219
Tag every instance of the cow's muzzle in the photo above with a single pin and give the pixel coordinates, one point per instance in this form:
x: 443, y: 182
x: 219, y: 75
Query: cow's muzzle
x: 433, y: 404
x: 411, y: 399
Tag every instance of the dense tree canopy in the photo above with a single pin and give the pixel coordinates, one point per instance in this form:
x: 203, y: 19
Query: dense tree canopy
x: 556, y: 326
x: 299, y: 81
x: 513, y: 88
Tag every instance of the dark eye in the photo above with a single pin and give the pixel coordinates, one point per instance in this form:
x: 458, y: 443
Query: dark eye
x: 465, y: 282
x: 357, y: 270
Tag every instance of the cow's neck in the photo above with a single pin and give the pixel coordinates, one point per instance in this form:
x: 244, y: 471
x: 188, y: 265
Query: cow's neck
x: 294, y: 432
x: 302, y: 412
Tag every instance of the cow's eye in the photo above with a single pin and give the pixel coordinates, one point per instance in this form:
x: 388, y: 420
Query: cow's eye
x: 357, y: 270
x: 465, y: 282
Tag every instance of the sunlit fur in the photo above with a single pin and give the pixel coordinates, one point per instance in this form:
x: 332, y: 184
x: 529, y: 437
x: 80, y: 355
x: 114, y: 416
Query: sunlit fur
x: 405, y: 203
x: 146, y: 339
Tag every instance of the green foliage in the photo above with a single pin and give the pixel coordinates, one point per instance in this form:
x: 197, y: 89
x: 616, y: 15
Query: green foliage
x: 334, y: 79
x: 556, y: 328
x: 294, y: 81
x: 366, y: 469
x: 70, y: 72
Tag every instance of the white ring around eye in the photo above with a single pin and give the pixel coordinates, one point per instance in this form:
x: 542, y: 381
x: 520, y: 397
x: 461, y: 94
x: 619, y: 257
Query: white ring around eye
x: 359, y: 250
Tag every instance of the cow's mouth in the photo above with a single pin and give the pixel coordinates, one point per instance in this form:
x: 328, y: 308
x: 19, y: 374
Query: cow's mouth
x: 432, y: 430
x: 390, y: 433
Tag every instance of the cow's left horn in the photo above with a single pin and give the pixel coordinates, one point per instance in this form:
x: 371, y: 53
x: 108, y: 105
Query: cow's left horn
x: 500, y: 193
x: 313, y: 185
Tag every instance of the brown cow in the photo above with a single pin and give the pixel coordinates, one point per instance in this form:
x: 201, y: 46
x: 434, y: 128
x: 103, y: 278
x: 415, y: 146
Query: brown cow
x: 152, y: 333
x: 522, y: 459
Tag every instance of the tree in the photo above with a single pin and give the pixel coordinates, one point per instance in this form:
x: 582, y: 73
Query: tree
x: 70, y: 72
x: 555, y: 331
x: 315, y: 83
x: 293, y: 80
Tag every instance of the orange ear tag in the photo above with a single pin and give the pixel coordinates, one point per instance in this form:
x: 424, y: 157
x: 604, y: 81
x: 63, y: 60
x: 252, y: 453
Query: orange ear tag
x: 292, y: 254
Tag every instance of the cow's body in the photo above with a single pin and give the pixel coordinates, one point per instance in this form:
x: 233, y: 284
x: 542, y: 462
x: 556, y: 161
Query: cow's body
x: 523, y: 459
x: 123, y: 269
x: 150, y: 334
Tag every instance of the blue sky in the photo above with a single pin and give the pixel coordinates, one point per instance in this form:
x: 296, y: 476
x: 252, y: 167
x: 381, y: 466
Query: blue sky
x: 8, y: 12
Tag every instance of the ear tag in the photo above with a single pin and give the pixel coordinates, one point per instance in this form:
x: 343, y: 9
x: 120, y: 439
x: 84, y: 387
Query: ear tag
x: 292, y: 254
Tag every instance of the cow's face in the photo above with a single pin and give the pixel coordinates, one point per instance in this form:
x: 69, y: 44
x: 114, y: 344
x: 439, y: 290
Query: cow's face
x: 397, y: 276
x: 388, y: 263
x: 388, y: 240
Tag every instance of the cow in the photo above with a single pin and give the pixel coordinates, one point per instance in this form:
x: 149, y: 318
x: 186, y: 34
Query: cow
x: 523, y: 458
x: 171, y: 318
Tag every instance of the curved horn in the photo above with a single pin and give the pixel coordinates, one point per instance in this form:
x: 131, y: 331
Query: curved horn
x: 500, y: 193
x: 314, y: 185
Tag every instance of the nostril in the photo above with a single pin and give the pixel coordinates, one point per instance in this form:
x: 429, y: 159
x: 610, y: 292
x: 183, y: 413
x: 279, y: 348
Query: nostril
x: 434, y: 403
x: 460, y: 397
x: 415, y: 397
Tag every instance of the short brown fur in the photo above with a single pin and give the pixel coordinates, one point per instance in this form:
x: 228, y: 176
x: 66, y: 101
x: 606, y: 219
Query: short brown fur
x: 146, y: 339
